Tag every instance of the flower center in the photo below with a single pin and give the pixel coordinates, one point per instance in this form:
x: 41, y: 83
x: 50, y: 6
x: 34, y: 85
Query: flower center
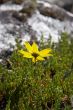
x: 35, y: 55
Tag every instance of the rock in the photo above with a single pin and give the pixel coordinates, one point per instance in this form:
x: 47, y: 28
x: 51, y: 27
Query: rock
x: 29, y: 7
x: 60, y: 3
x: 7, y: 17
x: 20, y: 16
x: 3, y: 1
x: 72, y: 9
x: 22, y: 1
x: 68, y: 7
x: 18, y: 1
x: 66, y: 4
x: 4, y: 54
x: 63, y: 2
x: 54, y: 11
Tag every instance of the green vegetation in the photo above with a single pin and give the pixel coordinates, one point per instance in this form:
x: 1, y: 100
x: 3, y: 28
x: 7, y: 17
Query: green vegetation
x: 46, y: 85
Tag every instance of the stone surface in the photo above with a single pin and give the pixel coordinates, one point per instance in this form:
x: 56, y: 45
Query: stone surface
x: 18, y: 1
x: 54, y: 11
x: 59, y: 2
x: 66, y: 4
x: 16, y: 23
x: 4, y: 1
x: 44, y: 25
x: 29, y: 7
x: 20, y: 16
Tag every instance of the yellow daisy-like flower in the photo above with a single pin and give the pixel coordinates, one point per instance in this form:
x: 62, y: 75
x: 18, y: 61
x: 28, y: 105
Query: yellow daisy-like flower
x: 33, y: 52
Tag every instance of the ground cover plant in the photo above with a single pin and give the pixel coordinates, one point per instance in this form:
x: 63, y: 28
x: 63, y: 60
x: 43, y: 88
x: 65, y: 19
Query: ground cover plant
x: 39, y: 85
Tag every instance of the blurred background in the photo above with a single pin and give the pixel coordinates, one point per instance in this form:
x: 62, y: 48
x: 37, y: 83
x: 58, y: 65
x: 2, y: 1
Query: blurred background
x: 28, y: 20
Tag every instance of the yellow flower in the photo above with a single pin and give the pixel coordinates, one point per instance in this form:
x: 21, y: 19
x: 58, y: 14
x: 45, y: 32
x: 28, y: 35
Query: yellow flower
x: 33, y: 52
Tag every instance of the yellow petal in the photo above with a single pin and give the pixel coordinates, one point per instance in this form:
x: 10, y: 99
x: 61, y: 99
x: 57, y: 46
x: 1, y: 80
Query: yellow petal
x: 33, y: 59
x: 28, y: 46
x: 50, y: 55
x: 35, y: 48
x: 45, y: 52
x: 39, y: 58
x: 25, y: 54
x: 21, y: 51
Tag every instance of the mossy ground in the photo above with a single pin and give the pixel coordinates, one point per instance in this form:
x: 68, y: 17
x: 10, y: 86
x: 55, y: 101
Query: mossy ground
x: 46, y: 85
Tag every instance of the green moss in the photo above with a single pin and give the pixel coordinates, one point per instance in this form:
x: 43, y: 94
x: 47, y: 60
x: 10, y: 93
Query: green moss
x: 46, y: 85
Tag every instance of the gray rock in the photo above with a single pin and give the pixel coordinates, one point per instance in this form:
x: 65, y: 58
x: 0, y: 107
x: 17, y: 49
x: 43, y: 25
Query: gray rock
x: 3, y: 1
x: 12, y: 25
x: 54, y: 11
x: 59, y: 2
x: 66, y: 4
x: 18, y: 1
x: 20, y: 16
x: 29, y: 7
x: 5, y: 54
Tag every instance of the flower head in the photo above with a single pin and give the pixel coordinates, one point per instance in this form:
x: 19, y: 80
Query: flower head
x: 34, y: 53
